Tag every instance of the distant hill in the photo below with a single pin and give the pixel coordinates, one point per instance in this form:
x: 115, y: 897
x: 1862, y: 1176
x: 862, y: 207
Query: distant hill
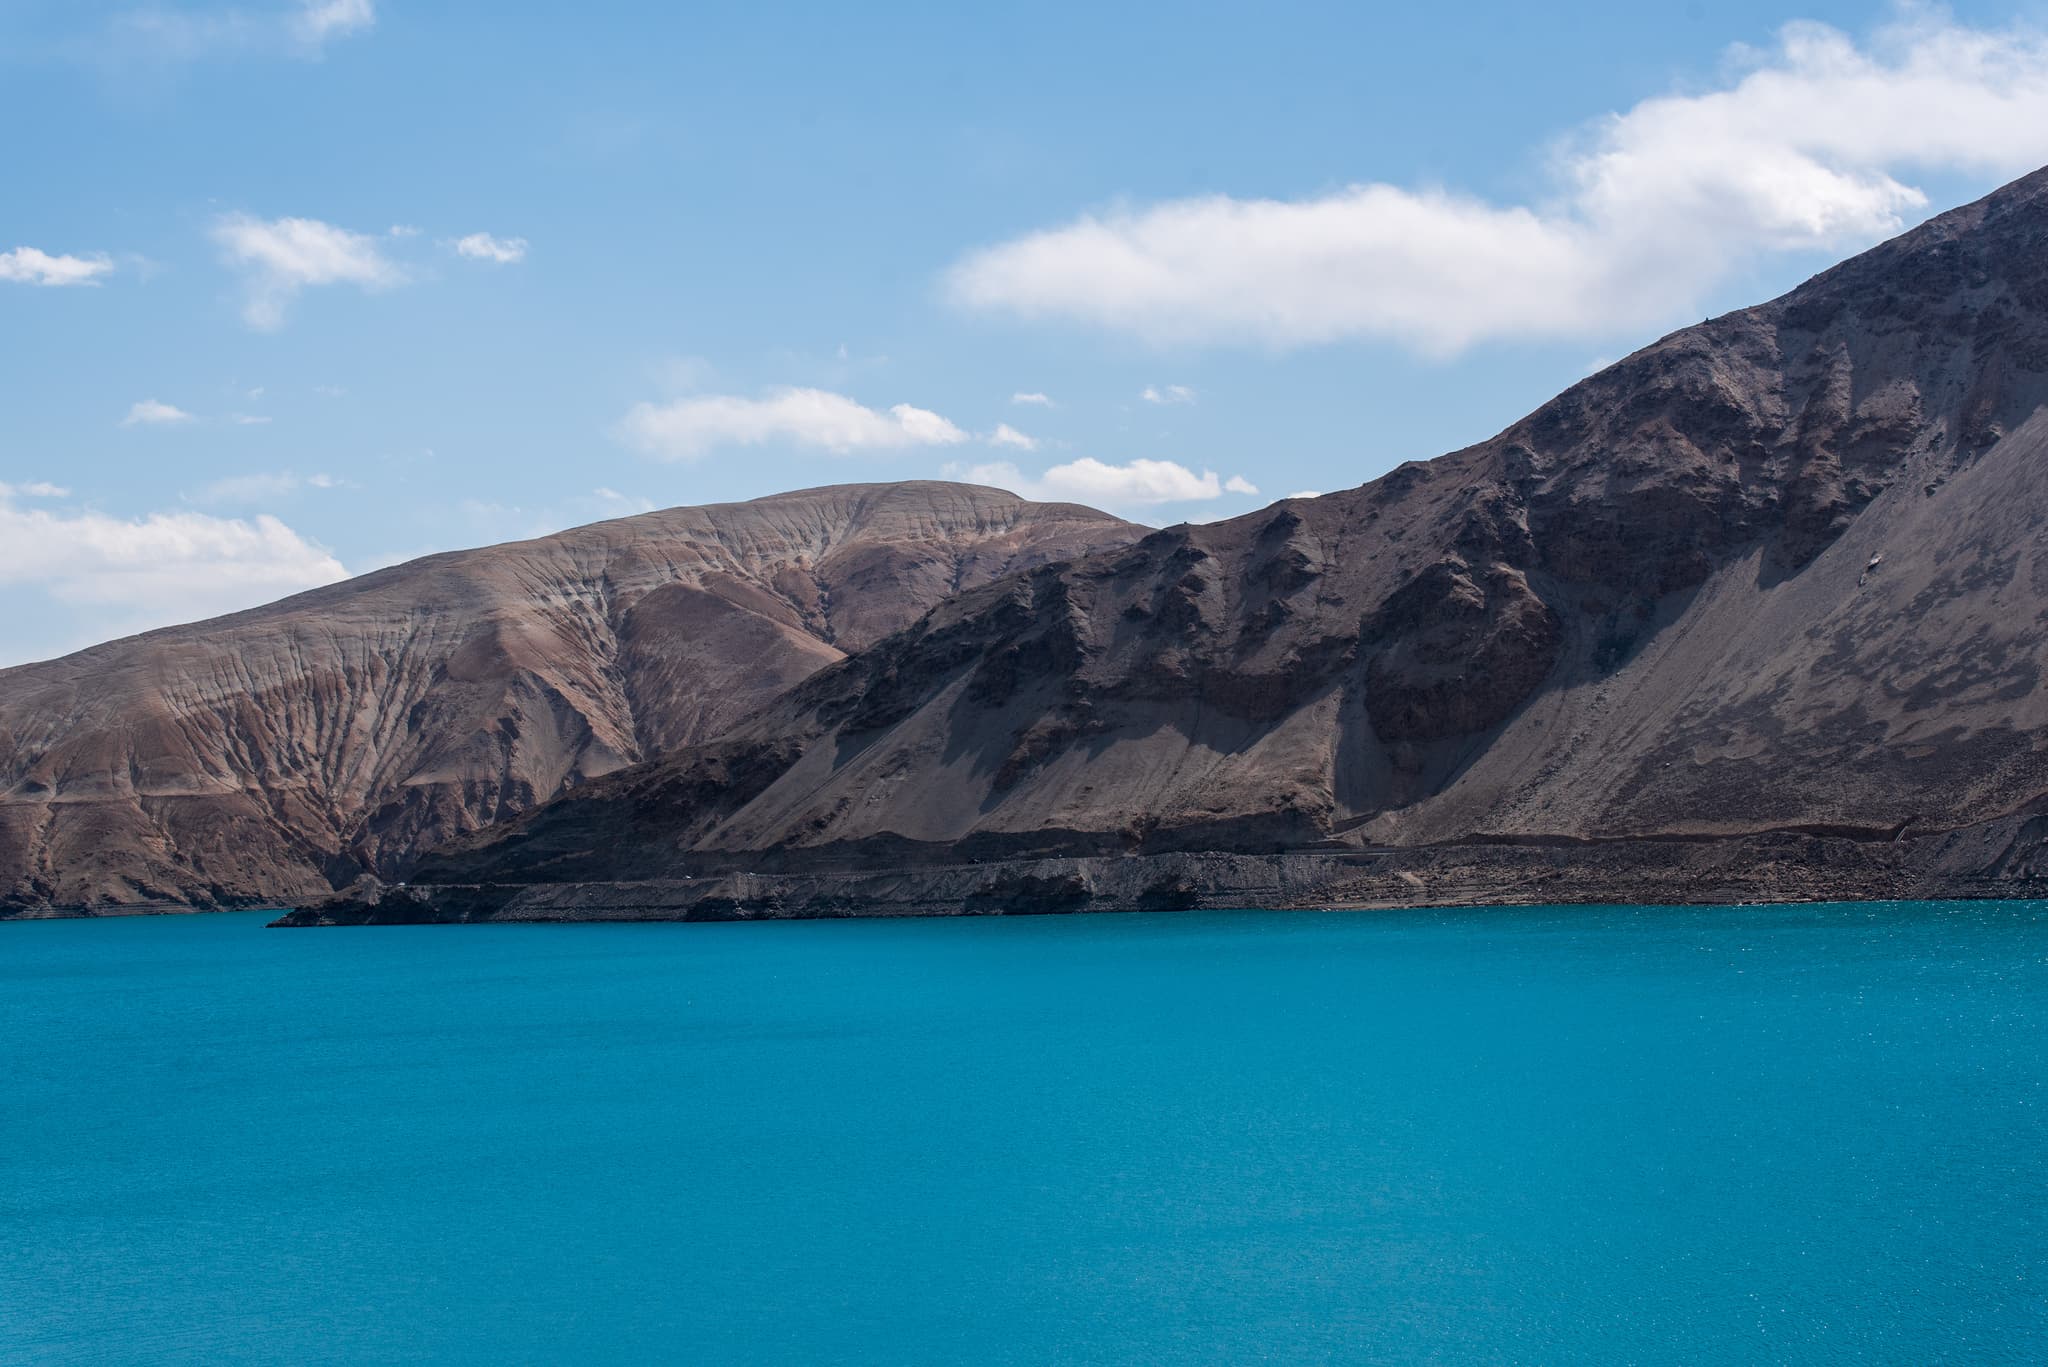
x: 276, y: 753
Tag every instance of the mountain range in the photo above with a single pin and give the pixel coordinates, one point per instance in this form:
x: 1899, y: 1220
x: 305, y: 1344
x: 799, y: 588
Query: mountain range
x: 1757, y: 612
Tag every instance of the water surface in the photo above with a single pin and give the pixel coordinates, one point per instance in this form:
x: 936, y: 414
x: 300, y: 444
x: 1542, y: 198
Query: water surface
x: 1811, y: 1135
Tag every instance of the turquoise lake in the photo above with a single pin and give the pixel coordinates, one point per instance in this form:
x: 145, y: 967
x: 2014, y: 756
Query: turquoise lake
x: 1549, y: 1135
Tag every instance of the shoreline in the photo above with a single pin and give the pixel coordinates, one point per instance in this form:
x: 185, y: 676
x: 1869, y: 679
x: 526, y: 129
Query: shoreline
x: 2002, y: 860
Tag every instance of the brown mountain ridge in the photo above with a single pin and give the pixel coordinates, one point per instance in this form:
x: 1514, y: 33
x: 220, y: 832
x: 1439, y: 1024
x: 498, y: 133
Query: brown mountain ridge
x: 1757, y: 611
x: 279, y: 753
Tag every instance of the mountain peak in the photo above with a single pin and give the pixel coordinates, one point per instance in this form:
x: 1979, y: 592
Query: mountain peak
x: 294, y: 746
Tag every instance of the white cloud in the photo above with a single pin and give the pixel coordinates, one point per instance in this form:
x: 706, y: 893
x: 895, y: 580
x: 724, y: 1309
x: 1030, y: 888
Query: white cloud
x: 502, y: 251
x: 1173, y: 393
x: 320, y: 20
x: 279, y: 257
x: 689, y: 427
x: 28, y: 266
x: 248, y: 419
x: 1006, y: 435
x: 1141, y: 483
x: 923, y: 427
x: 1022, y: 396
x: 1800, y: 148
x: 37, y: 488
x: 154, y: 413
x: 1306, y: 493
x: 156, y: 569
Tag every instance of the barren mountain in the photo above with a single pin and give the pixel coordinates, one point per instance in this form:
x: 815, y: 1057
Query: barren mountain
x: 1758, y: 610
x: 280, y: 752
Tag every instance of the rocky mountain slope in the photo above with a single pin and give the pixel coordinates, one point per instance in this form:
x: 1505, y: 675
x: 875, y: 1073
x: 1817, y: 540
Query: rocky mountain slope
x: 1782, y: 577
x: 280, y: 752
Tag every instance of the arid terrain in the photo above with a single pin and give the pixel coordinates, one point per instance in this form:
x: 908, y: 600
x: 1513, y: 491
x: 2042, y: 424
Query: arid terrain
x: 1757, y: 611
x: 280, y: 753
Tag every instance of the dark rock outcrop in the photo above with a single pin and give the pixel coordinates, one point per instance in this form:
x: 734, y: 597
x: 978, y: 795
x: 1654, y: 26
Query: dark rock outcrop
x: 2007, y: 858
x: 1775, y: 580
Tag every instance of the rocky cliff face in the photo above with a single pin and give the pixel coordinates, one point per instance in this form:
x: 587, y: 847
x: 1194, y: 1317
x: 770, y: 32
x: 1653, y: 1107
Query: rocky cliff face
x: 1785, y: 571
x: 277, y: 753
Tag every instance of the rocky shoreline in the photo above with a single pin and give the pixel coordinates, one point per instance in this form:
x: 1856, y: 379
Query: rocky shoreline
x: 2002, y: 859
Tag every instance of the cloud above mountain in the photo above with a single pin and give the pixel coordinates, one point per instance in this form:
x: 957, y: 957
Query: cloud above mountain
x: 1137, y: 484
x: 690, y: 427
x: 132, y: 573
x: 1806, y: 146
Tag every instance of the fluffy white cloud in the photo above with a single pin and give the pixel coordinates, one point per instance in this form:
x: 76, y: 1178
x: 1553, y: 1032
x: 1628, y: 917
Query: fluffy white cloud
x: 1141, y: 483
x: 279, y: 257
x: 922, y: 427
x: 1006, y: 435
x: 1801, y: 148
x: 29, y: 266
x: 154, y: 413
x: 1306, y: 493
x: 153, y: 570
x: 689, y: 427
x: 502, y: 251
x: 1031, y: 397
x: 1163, y: 394
x: 37, y: 488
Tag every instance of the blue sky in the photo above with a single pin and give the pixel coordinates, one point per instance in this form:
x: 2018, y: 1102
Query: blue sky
x: 291, y: 289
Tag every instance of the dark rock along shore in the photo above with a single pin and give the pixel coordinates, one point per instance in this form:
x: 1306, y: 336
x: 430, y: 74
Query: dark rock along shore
x: 1754, y: 614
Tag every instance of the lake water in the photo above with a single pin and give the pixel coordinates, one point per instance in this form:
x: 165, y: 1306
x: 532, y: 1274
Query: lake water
x: 1803, y: 1135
